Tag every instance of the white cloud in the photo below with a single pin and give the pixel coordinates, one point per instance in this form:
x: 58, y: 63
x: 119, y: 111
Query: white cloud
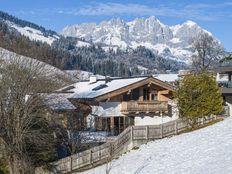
x: 109, y: 9
x: 194, y: 11
x: 115, y: 8
x: 200, y: 11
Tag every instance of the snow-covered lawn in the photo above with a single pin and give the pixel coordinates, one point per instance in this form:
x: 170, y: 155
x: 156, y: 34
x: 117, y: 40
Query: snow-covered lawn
x: 205, y: 151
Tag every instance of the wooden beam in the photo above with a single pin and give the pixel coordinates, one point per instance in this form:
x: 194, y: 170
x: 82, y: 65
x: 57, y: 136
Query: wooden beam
x: 141, y: 94
x: 124, y: 122
x: 111, y: 123
x: 119, y: 125
x: 164, y: 92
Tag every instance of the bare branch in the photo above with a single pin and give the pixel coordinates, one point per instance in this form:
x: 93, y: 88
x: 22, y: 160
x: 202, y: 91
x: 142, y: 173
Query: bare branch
x: 208, y: 52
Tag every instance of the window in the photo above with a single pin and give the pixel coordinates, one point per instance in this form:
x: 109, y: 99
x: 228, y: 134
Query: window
x: 146, y: 94
x: 101, y: 86
x: 154, y: 97
x: 135, y: 94
x: 223, y: 77
x: 126, y: 97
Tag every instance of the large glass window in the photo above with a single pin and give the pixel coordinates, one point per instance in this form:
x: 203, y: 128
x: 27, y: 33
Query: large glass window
x: 223, y: 77
x: 126, y: 97
x: 146, y: 94
x: 133, y: 95
x: 154, y: 97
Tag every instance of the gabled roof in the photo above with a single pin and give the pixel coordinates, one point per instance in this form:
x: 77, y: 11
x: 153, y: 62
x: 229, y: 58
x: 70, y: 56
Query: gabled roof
x: 87, y: 90
x: 58, y: 102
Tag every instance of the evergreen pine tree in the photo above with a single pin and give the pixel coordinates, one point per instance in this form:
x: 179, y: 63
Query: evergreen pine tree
x: 198, y: 95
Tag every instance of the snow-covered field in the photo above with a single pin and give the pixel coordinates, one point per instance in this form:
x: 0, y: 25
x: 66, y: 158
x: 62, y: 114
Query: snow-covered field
x: 205, y: 151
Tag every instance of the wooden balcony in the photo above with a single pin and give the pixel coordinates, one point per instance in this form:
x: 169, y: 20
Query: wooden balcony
x: 146, y: 107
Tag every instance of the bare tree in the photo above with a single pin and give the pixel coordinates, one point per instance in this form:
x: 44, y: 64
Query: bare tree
x: 208, y: 52
x: 26, y: 134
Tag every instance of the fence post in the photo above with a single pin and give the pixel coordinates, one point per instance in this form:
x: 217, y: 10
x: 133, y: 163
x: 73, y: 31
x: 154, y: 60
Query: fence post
x: 70, y: 164
x: 176, y: 128
x: 91, y: 157
x: 147, y: 132
x: 132, y: 137
x: 111, y: 150
x: 161, y: 130
x: 99, y: 153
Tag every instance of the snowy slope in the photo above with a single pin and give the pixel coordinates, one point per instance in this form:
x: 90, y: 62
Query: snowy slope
x: 168, y: 41
x: 48, y: 70
x: 205, y: 151
x: 32, y: 31
x: 33, y: 34
x: 82, y: 44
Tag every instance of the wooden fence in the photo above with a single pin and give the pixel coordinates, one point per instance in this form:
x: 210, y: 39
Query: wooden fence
x: 131, y: 137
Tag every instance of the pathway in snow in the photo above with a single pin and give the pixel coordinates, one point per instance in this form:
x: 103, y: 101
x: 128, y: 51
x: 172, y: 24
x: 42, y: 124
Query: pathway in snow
x: 205, y: 151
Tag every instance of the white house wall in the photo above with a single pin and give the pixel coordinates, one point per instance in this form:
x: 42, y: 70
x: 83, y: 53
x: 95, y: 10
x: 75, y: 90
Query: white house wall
x: 229, y: 103
x: 175, y: 110
x: 157, y: 119
x: 105, y: 109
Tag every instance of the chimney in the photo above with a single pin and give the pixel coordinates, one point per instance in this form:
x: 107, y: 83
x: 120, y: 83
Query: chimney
x: 107, y: 79
x: 92, y: 79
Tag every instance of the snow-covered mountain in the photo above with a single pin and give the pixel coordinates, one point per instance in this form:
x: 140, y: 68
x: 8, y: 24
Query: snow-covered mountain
x: 167, y: 41
x: 72, y: 52
x: 28, y: 29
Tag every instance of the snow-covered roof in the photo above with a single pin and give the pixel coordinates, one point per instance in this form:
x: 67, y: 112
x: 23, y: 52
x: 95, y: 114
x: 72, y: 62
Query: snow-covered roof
x: 167, y: 77
x: 91, y: 90
x: 87, y: 90
x: 58, y: 102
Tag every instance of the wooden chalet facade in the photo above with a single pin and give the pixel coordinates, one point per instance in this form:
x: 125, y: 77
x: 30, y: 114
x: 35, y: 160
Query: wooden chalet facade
x: 65, y: 113
x: 117, y: 103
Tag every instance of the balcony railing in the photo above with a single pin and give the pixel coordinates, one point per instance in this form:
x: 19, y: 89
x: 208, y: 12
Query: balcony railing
x: 137, y: 106
x: 225, y: 84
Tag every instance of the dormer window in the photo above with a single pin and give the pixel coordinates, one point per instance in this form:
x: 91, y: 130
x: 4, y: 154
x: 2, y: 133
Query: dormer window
x: 101, y: 86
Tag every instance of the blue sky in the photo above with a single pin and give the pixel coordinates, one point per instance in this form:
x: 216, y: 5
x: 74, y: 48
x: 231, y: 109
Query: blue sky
x: 213, y: 15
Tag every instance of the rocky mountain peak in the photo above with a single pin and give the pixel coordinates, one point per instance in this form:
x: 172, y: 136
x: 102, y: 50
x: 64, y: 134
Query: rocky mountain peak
x: 168, y: 41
